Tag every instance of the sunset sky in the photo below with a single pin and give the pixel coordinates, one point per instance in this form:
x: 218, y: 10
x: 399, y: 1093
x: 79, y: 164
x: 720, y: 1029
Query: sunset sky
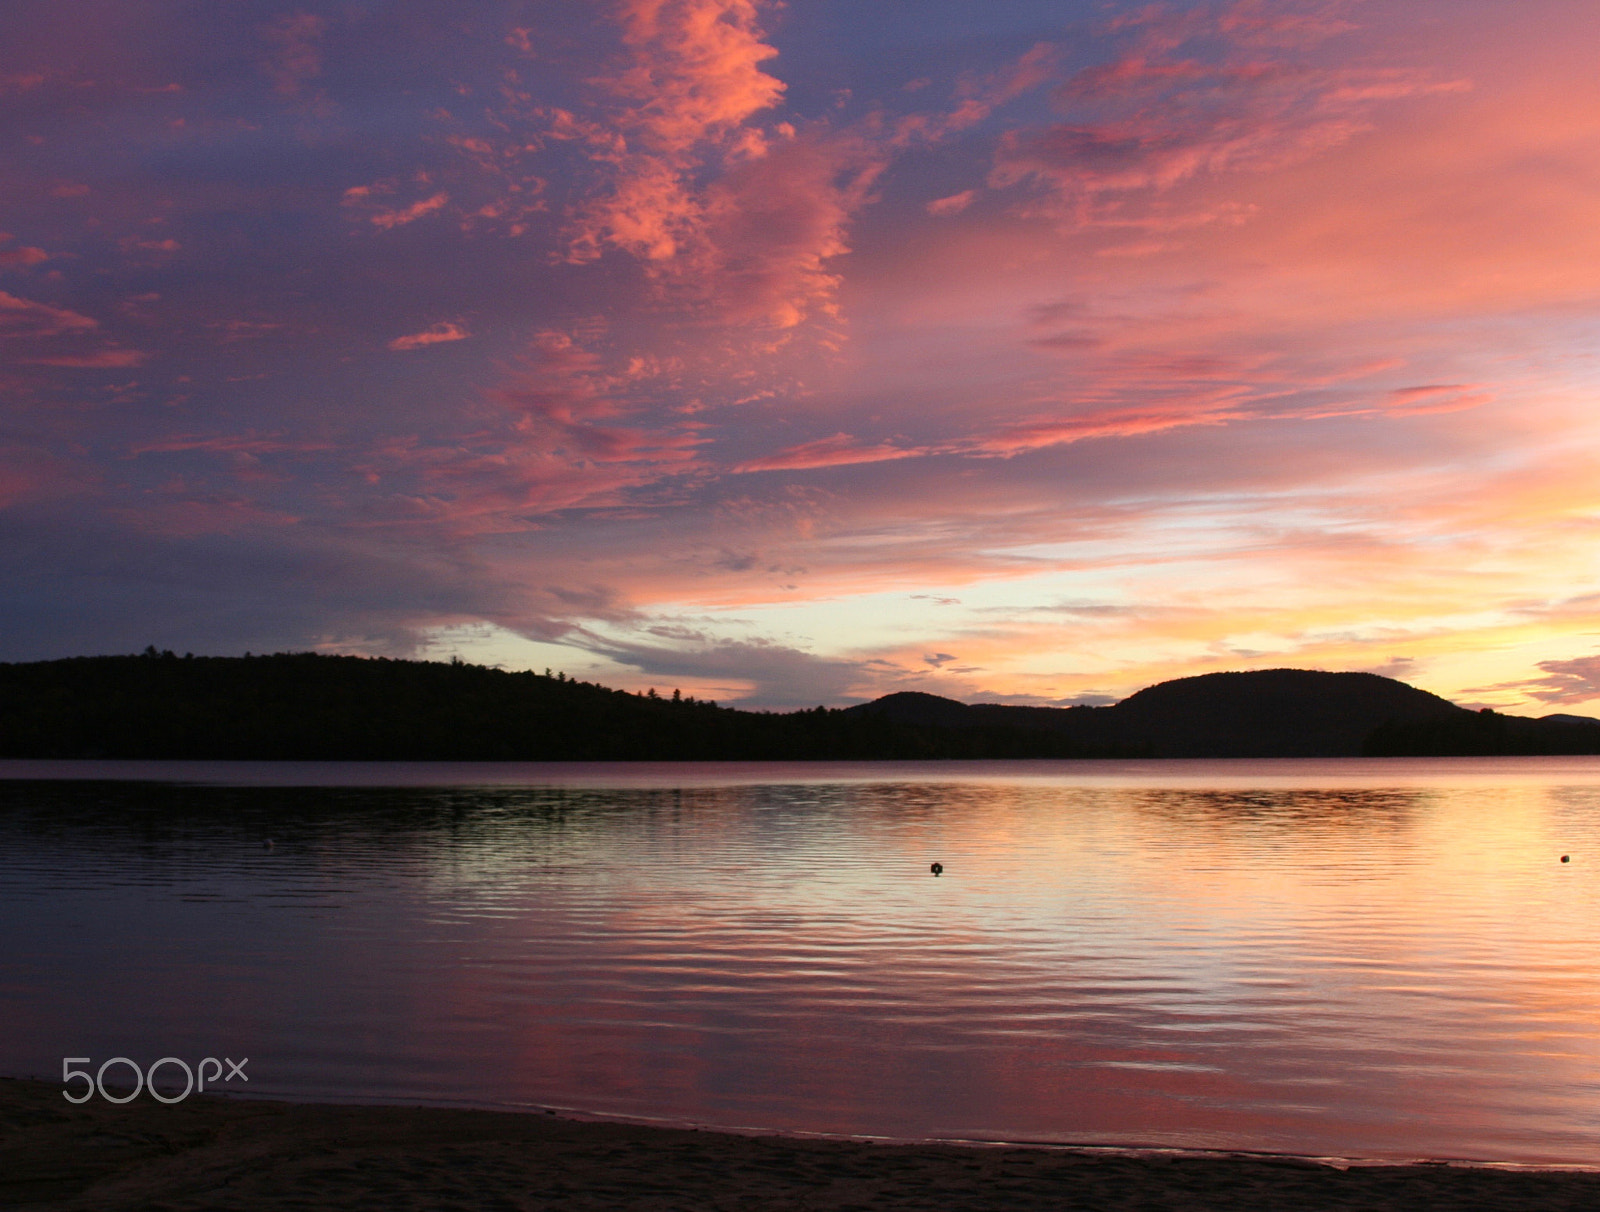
x: 1022, y: 351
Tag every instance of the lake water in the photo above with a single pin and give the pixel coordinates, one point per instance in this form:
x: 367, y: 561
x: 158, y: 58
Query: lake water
x: 1381, y: 959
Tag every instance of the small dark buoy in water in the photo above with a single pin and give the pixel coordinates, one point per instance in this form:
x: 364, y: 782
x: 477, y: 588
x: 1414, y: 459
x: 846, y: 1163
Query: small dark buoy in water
x: 1566, y: 858
x: 267, y: 845
x: 938, y: 867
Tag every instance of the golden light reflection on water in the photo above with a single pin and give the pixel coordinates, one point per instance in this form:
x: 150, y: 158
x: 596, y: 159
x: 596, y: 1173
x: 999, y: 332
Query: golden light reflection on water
x: 1294, y: 960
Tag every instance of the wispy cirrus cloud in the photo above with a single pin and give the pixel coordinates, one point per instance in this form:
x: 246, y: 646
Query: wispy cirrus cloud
x: 1561, y: 683
x: 100, y: 359
x: 373, y: 201
x: 242, y: 443
x: 553, y: 435
x: 24, y: 318
x: 1205, y: 91
x: 1434, y: 398
x: 840, y: 450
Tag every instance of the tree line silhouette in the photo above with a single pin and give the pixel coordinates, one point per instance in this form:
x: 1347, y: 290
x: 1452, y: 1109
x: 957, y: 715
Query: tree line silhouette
x: 1484, y: 733
x: 308, y: 706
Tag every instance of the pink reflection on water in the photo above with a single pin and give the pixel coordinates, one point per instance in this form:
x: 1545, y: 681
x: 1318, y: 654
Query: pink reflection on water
x: 1392, y: 970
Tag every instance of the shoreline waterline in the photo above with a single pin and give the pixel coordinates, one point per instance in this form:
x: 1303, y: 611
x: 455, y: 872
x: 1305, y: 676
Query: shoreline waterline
x: 1086, y: 1148
x: 247, y: 1153
x: 1164, y: 773
x: 1129, y: 1149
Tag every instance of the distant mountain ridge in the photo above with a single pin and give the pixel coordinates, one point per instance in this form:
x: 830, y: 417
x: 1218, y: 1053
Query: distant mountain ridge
x: 302, y: 706
x: 1266, y: 713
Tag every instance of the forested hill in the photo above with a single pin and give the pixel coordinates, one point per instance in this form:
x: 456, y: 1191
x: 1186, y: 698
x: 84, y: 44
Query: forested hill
x: 307, y: 706
x: 1269, y: 713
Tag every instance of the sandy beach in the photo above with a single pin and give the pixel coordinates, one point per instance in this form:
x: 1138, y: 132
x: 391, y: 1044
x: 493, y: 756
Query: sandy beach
x: 213, y: 1153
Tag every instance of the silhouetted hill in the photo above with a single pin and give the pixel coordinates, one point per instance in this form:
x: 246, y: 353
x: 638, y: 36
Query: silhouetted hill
x: 1268, y: 713
x: 305, y: 706
x: 1273, y: 712
x: 925, y: 710
x: 309, y: 707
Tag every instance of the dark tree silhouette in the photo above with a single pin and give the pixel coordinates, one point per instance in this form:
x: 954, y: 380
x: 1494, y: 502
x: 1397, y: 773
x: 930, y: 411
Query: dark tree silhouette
x: 307, y: 706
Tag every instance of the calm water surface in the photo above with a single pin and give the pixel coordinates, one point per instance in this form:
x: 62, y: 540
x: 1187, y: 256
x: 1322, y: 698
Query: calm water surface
x: 1373, y: 959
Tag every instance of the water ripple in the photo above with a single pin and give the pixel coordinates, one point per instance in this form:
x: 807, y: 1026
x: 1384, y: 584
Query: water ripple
x: 1286, y: 960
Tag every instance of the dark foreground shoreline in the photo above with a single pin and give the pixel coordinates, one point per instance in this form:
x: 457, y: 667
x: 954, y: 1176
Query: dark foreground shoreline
x: 224, y: 1154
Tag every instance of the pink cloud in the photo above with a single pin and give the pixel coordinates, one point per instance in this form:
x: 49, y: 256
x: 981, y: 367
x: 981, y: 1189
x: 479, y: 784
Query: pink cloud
x: 133, y: 242
x: 35, y: 473
x: 25, y: 318
x: 555, y: 440
x: 252, y: 444
x: 977, y: 97
x: 1260, y: 23
x: 381, y: 213
x: 103, y: 359
x: 448, y: 331
x: 22, y: 256
x: 1154, y: 118
x: 1120, y: 423
x: 561, y: 397
x: 773, y: 227
x: 388, y: 219
x: 954, y: 204
x: 696, y: 71
x: 510, y: 193
x: 691, y: 80
x: 297, y: 53
x: 1435, y: 398
x: 724, y: 213
x: 838, y: 451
